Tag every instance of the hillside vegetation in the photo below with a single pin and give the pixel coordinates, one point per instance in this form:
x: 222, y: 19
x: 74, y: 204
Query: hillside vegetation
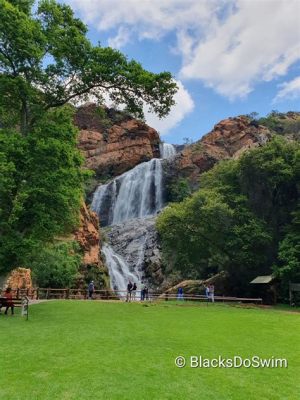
x: 244, y: 219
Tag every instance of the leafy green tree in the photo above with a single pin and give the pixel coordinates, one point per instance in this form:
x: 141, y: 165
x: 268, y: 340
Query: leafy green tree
x: 240, y: 221
x: 46, y: 61
x: 288, y: 267
x: 178, y: 190
x: 269, y: 178
x: 56, y: 266
x: 41, y: 186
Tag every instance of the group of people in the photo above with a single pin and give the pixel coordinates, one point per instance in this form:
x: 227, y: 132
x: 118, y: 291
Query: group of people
x: 131, y: 292
x: 132, y: 288
x: 209, y: 293
x: 7, y: 301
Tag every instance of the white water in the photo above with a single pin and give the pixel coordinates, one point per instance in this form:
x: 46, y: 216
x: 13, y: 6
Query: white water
x: 119, y: 272
x: 134, y: 194
x: 137, y: 193
x: 167, y: 150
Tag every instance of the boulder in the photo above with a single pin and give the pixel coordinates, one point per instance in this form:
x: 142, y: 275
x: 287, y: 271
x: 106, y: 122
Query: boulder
x: 19, y: 278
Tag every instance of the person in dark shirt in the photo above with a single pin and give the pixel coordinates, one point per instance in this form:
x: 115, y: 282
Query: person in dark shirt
x: 143, y: 292
x: 134, y: 287
x: 91, y: 289
x: 146, y: 293
x: 9, y: 301
x: 129, y: 290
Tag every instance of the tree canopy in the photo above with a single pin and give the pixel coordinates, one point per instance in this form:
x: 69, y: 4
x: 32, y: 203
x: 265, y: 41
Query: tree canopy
x: 244, y: 220
x: 46, y: 63
x: 46, y: 60
x: 41, y: 186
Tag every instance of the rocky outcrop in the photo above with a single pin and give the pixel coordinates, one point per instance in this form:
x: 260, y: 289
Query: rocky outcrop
x: 228, y: 139
x: 113, y: 142
x: 88, y: 237
x: 89, y: 240
x: 137, y: 242
x: 19, y: 278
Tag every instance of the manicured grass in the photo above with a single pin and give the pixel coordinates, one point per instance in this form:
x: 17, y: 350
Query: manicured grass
x: 94, y: 350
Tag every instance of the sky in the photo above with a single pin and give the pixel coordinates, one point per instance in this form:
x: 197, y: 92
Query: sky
x: 229, y: 57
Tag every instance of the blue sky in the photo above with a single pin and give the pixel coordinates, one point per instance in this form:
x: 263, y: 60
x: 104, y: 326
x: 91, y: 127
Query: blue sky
x: 230, y: 57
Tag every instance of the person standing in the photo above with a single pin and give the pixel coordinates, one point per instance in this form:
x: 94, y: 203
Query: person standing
x: 9, y: 301
x: 180, y: 294
x: 207, y: 294
x: 212, y: 293
x: 146, y: 293
x: 91, y: 289
x: 142, y: 292
x: 129, y: 290
x: 134, y: 287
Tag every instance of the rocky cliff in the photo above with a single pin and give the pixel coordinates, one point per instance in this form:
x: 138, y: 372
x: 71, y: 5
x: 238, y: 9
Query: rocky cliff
x: 113, y: 142
x: 228, y: 139
x: 88, y: 236
x: 89, y: 240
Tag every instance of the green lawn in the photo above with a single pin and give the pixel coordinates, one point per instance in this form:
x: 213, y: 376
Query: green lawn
x: 94, y: 350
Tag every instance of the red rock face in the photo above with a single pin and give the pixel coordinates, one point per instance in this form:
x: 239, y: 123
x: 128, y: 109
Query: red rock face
x: 19, y: 278
x: 229, y: 139
x: 88, y: 236
x: 114, y: 145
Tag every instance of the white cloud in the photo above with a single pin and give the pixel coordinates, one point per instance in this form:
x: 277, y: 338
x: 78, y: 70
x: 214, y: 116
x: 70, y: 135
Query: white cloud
x: 289, y: 90
x: 148, y: 18
x: 230, y: 45
x: 257, y: 42
x: 120, y: 39
x: 184, y: 105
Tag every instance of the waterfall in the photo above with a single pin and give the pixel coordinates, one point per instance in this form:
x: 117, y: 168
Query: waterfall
x: 119, y: 272
x: 167, y: 150
x: 135, y: 194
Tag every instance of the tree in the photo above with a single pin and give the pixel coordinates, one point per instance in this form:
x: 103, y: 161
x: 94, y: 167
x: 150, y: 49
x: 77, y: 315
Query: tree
x: 253, y: 115
x: 243, y: 220
x: 178, y: 190
x: 57, y: 265
x: 41, y: 186
x: 186, y: 141
x: 46, y: 61
x: 288, y: 266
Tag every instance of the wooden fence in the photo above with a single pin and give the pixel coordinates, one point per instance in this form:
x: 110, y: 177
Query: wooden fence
x: 82, y: 294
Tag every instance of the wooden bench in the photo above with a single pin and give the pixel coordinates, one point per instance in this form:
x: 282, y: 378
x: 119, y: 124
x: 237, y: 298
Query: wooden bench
x: 17, y: 302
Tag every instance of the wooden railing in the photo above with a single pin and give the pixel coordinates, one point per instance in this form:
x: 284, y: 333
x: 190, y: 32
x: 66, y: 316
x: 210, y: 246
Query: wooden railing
x: 82, y: 294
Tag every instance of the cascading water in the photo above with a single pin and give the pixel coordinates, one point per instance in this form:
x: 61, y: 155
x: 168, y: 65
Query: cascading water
x: 167, y: 150
x: 137, y: 193
x: 119, y: 272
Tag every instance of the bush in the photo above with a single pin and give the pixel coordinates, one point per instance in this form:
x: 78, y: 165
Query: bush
x: 178, y: 190
x: 56, y: 266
